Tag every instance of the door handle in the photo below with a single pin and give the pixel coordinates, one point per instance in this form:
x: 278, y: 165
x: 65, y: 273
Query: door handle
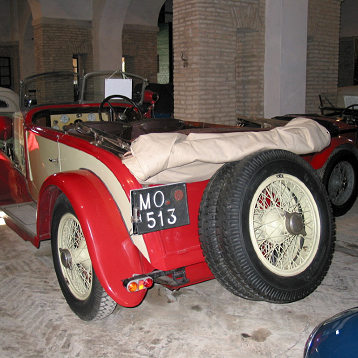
x: 53, y: 160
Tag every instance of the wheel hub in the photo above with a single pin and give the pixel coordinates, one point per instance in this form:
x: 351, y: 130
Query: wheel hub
x: 274, y: 224
x: 339, y: 183
x: 277, y: 223
x: 294, y: 224
x: 66, y: 258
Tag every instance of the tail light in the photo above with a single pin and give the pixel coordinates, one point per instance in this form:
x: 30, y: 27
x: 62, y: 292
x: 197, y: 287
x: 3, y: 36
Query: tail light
x: 138, y: 284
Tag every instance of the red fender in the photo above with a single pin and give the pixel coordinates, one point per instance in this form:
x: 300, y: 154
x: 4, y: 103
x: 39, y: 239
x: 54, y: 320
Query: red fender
x: 113, y: 255
x: 318, y: 160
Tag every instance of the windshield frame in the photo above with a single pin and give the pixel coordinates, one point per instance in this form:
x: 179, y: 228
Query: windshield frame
x: 26, y: 102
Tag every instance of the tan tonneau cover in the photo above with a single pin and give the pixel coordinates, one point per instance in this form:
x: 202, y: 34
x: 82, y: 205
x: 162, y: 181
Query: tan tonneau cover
x: 163, y: 158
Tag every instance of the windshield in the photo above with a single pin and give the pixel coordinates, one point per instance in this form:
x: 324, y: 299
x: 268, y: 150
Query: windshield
x: 66, y: 87
x: 97, y: 85
x: 47, y: 88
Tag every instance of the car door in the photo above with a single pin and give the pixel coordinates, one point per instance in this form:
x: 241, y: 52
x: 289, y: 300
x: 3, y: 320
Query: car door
x: 13, y: 184
x: 43, y: 157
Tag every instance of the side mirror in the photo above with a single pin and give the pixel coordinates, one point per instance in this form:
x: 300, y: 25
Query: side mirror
x: 5, y: 128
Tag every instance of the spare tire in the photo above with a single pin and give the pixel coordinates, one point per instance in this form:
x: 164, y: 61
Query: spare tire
x: 275, y: 228
x: 210, y: 235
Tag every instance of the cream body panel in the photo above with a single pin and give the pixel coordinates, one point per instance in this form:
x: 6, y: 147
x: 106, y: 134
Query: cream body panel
x: 44, y: 160
x: 73, y: 159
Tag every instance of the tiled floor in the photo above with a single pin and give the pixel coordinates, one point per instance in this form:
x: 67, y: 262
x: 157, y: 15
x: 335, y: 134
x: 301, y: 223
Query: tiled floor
x: 199, y: 321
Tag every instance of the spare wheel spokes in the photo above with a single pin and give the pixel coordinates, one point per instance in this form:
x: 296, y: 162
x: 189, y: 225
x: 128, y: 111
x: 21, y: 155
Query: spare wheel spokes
x: 284, y: 224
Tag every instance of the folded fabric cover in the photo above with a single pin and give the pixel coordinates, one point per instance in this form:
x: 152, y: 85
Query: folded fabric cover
x: 163, y: 158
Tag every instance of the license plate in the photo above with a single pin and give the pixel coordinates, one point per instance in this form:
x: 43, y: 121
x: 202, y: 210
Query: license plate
x: 158, y: 208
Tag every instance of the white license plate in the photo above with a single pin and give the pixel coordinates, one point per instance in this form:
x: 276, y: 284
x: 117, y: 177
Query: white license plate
x: 158, y: 208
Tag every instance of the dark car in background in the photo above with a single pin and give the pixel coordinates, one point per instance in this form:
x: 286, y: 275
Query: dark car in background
x: 335, y: 337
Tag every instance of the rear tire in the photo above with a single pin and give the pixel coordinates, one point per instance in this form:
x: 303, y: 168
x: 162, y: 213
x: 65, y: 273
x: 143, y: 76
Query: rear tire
x: 340, y: 179
x: 76, y: 276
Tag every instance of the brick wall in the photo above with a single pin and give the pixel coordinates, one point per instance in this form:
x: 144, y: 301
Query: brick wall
x: 139, y: 46
x: 250, y: 58
x: 322, y: 51
x: 56, y: 41
x: 218, y: 59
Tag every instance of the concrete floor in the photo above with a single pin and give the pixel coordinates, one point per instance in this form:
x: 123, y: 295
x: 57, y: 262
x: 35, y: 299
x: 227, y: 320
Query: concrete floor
x: 199, y: 321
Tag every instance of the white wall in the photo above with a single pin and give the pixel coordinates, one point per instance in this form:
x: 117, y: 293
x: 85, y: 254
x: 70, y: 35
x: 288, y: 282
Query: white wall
x: 108, y: 19
x: 285, y: 57
x: 64, y: 9
x: 144, y: 12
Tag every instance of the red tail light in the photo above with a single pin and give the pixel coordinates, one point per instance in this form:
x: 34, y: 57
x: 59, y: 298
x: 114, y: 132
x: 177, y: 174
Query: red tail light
x: 148, y: 282
x: 139, y: 284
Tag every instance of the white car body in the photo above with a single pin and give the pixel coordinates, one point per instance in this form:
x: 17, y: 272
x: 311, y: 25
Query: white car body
x: 9, y: 101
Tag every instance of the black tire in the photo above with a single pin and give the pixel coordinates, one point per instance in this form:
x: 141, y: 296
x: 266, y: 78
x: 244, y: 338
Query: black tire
x: 78, y: 281
x: 340, y: 179
x: 278, y: 230
x: 210, y: 235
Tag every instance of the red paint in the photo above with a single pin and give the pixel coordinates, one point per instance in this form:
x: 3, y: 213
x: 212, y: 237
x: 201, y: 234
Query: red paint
x: 178, y: 247
x: 5, y: 128
x: 13, y: 187
x: 113, y: 255
x: 317, y: 160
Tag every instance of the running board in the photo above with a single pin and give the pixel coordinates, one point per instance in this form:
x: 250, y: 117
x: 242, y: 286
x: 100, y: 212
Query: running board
x: 23, y: 215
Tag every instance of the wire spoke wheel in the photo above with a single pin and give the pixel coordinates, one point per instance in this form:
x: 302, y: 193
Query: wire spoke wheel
x: 341, y: 183
x: 284, y: 225
x: 74, y: 257
x: 75, y: 273
x: 339, y: 176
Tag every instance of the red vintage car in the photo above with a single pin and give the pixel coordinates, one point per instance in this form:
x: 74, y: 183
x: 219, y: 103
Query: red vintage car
x: 128, y: 201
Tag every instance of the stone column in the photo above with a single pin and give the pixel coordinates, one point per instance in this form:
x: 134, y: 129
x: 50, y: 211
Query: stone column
x: 218, y: 59
x: 204, y: 41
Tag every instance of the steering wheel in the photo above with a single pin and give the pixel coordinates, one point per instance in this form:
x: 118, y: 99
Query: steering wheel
x: 350, y: 107
x: 122, y: 116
